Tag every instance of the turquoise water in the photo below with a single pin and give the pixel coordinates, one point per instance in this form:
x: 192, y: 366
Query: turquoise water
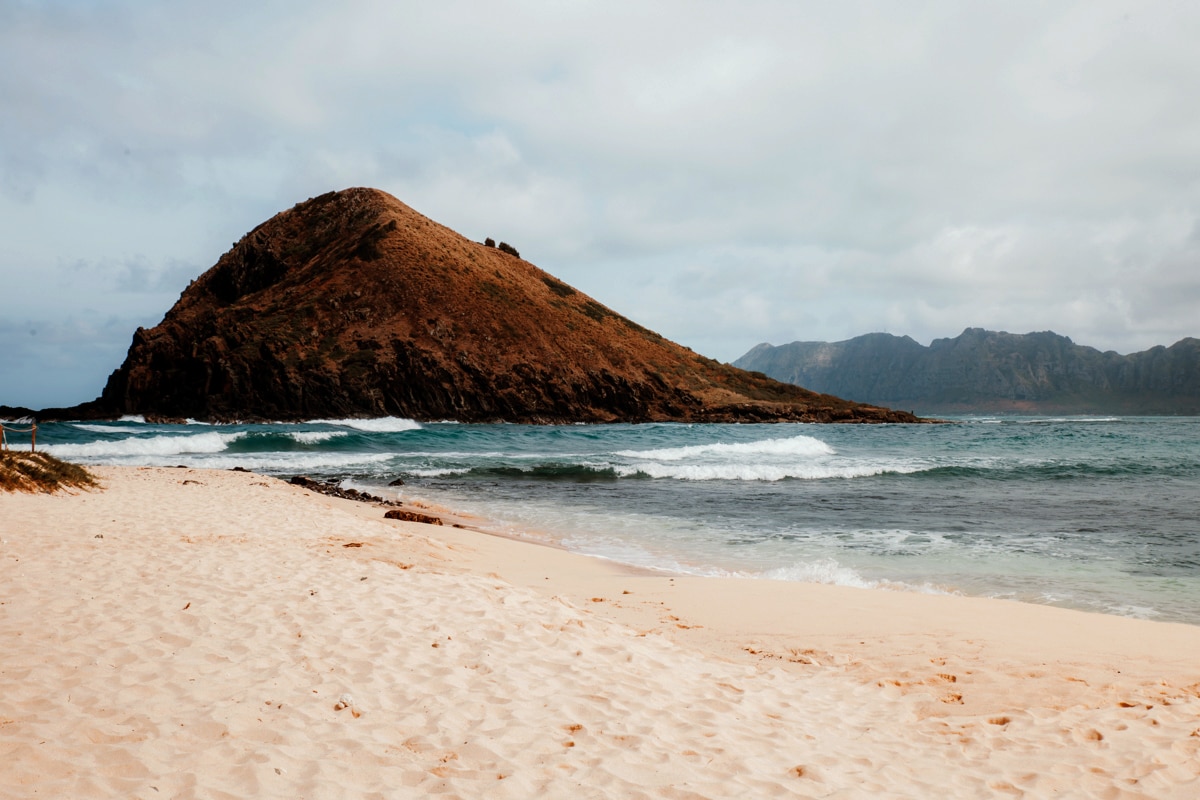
x: 1092, y: 513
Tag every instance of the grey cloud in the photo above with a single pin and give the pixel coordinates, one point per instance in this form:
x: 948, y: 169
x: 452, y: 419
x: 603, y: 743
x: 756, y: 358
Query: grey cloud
x: 771, y: 171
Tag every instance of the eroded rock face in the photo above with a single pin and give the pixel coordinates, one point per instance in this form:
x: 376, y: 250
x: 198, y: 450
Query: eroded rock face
x: 352, y: 304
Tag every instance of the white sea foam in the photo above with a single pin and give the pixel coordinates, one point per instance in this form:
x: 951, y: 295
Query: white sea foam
x: 829, y: 571
x: 147, y: 446
x: 377, y: 425
x: 435, y: 473
x: 765, y: 460
x: 110, y: 428
x: 1132, y: 610
x: 116, y: 426
x: 288, y: 463
x: 278, y: 463
x: 316, y: 437
x: 747, y: 471
x: 792, y: 446
x: 824, y: 570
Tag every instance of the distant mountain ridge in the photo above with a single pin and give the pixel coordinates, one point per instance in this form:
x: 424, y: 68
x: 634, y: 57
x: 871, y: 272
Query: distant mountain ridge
x: 352, y: 304
x: 990, y: 371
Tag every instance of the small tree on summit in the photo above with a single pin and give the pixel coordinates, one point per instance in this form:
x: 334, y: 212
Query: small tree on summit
x: 505, y: 247
x: 489, y: 242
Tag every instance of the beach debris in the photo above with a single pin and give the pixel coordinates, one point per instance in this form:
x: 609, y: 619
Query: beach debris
x: 346, y: 701
x: 412, y: 516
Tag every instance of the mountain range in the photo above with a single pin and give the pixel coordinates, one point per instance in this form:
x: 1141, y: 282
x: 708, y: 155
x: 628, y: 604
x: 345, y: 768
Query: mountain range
x: 352, y: 304
x: 990, y: 371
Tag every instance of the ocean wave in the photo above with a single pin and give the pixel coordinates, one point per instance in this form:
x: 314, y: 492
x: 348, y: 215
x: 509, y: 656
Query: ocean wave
x: 436, y: 473
x: 111, y: 428
x: 148, y: 446
x: 315, y: 437
x: 314, y: 464
x: 1051, y: 470
x: 793, y: 446
x: 376, y: 425
x: 828, y: 571
x: 720, y: 471
x: 1021, y: 420
x: 751, y: 472
x: 824, y: 570
x: 553, y: 471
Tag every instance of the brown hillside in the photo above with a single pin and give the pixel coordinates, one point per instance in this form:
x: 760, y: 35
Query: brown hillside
x: 353, y: 304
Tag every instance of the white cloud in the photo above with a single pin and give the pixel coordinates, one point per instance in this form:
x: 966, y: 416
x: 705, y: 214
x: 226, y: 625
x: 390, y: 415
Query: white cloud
x: 726, y: 175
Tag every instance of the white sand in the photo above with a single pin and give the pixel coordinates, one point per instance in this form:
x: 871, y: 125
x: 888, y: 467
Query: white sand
x: 191, y: 633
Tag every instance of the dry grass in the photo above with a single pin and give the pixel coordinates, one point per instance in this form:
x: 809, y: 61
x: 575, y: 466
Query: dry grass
x: 41, y: 472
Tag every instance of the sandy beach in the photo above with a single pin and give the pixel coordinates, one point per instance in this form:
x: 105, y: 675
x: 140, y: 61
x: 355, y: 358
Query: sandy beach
x: 200, y: 633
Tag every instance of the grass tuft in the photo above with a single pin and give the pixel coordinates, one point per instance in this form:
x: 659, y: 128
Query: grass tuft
x: 41, y: 472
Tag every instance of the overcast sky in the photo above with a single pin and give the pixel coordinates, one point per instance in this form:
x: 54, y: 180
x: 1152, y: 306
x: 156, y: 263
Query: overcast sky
x: 723, y: 173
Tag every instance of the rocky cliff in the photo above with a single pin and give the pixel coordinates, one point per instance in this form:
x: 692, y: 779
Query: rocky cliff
x: 988, y: 371
x: 352, y: 304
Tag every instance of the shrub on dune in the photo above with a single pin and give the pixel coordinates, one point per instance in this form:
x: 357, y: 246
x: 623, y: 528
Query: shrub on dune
x: 41, y: 472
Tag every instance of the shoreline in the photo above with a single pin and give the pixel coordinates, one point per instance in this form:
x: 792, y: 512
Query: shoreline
x: 858, y: 637
x: 707, y: 570
x: 143, y: 628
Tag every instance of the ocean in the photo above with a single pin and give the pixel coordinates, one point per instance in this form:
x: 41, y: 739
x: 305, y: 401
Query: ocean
x: 1093, y: 513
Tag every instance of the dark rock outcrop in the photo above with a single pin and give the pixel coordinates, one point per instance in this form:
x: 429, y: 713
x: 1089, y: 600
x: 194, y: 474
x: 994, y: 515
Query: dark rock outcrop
x: 334, y: 490
x: 351, y: 304
x: 412, y: 516
x: 14, y: 413
x: 987, y: 371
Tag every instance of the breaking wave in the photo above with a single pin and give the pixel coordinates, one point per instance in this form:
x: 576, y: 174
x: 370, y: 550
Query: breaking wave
x: 147, y: 446
x: 377, y: 425
x: 804, y: 446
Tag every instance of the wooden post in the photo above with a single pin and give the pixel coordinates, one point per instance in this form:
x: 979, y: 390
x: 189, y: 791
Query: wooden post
x: 33, y: 440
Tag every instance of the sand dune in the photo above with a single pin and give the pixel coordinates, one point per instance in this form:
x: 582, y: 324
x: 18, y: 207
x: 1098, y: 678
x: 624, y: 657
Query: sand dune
x: 189, y: 633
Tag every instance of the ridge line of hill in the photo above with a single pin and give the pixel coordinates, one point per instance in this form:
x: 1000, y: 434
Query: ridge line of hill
x: 985, y: 371
x: 352, y: 304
